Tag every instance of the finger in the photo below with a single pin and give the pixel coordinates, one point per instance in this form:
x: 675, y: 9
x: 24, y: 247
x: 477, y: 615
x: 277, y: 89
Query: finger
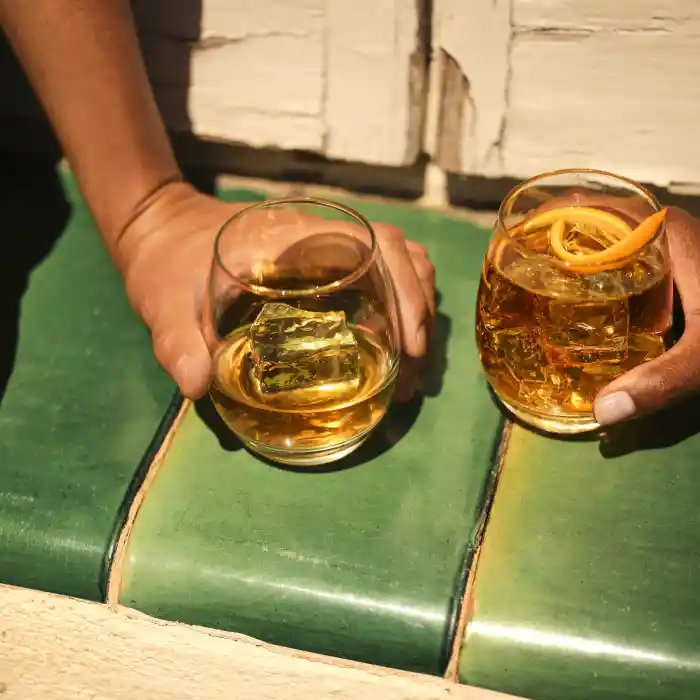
x: 676, y: 374
x: 407, y: 382
x: 413, y: 308
x: 180, y: 348
x: 426, y: 273
x: 412, y: 368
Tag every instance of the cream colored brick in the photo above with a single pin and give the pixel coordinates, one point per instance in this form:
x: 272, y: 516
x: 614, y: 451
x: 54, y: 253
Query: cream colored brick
x: 627, y: 102
x: 568, y: 83
x: 475, y: 35
x: 56, y: 648
x: 239, y: 92
x: 255, y: 75
x: 372, y: 115
x: 343, y: 79
x: 677, y: 16
x: 238, y: 19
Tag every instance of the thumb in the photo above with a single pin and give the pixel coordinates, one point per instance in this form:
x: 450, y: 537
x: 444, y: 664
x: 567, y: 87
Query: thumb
x: 676, y: 374
x: 180, y: 348
x: 651, y: 386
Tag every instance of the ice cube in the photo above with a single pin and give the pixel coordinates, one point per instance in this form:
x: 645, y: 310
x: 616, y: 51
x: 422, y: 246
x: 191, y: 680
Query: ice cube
x: 520, y: 350
x: 296, y: 349
x: 586, y: 333
x: 542, y: 277
x: 502, y: 304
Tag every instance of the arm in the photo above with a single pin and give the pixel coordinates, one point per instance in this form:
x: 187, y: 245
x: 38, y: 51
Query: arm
x: 83, y: 60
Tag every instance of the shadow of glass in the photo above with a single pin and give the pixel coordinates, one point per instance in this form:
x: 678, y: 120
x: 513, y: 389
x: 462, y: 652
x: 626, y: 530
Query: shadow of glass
x: 592, y: 436
x: 204, y: 408
x: 438, y: 354
x: 34, y: 212
x: 669, y: 427
x: 664, y: 429
x: 393, y: 428
x: 395, y: 425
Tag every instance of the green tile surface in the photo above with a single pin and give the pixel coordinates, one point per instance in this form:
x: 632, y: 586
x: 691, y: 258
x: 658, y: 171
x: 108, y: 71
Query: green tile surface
x: 588, y: 583
x: 84, y: 397
x: 365, y: 563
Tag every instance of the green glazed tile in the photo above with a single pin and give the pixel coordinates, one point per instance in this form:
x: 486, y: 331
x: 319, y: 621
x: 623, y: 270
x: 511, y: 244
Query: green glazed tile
x: 366, y: 563
x: 84, y: 399
x: 588, y: 582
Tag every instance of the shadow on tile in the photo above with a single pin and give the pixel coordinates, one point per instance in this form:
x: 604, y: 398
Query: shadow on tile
x: 208, y: 415
x: 398, y: 421
x: 436, y: 368
x: 507, y: 415
x: 664, y: 429
x: 670, y: 426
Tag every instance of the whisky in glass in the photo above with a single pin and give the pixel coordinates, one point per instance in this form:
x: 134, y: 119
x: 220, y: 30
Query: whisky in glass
x: 302, y: 323
x: 576, y: 289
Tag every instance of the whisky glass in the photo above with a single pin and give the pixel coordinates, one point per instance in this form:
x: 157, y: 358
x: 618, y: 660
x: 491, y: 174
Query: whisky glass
x: 553, y: 328
x: 302, y: 324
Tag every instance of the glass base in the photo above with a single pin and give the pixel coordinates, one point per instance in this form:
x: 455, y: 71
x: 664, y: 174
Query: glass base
x: 307, y: 458
x: 558, y: 424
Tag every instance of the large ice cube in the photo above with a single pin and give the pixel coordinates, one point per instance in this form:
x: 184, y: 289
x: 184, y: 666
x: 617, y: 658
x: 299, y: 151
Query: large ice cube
x: 296, y: 349
x: 581, y: 334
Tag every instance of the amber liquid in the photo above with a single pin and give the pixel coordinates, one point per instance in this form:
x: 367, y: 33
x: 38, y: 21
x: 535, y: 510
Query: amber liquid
x: 549, y: 346
x: 319, y: 421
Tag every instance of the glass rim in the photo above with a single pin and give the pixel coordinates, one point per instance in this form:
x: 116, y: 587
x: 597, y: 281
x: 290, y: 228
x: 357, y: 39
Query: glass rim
x: 336, y: 285
x: 503, y: 230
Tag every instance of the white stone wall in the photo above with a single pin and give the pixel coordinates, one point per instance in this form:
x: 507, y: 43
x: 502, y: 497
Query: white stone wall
x: 485, y: 87
x: 516, y: 86
x: 610, y: 84
x: 344, y: 78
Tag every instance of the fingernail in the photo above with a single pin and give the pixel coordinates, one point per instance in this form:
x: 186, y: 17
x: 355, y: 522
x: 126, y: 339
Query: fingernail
x: 614, y: 408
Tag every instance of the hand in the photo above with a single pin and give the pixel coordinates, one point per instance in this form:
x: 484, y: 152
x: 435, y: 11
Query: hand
x: 675, y: 374
x: 165, y: 256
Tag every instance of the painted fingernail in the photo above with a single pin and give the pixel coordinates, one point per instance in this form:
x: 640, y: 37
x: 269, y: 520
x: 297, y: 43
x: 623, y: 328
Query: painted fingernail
x: 614, y: 408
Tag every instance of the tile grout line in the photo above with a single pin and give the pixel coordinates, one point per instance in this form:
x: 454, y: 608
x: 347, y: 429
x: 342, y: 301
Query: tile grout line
x: 468, y: 602
x: 115, y: 575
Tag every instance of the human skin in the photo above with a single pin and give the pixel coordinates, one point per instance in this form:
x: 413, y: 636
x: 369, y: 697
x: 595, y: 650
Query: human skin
x: 84, y: 62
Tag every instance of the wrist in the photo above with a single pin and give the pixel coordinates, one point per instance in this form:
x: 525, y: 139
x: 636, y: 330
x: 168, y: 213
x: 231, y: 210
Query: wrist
x: 144, y: 203
x: 148, y: 214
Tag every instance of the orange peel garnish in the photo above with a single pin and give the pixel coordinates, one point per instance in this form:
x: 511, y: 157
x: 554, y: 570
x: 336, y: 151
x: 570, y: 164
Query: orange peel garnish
x: 616, y: 253
x: 611, y: 224
x: 622, y: 239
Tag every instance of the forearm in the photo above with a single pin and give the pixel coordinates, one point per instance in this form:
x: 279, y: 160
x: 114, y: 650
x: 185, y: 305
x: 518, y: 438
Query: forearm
x: 83, y: 59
